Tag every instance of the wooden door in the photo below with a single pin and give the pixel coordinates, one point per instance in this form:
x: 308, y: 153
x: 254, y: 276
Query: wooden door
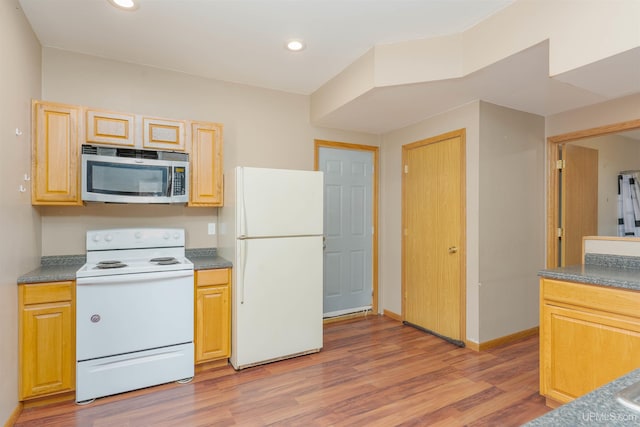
x: 433, y: 247
x: 579, y: 200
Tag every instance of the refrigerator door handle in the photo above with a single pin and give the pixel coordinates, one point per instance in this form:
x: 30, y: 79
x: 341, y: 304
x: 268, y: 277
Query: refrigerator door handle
x: 242, y: 222
x: 243, y: 267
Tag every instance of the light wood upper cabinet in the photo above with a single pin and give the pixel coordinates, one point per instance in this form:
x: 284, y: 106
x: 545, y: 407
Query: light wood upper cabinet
x: 59, y: 131
x: 206, y: 164
x: 55, y: 169
x: 163, y: 134
x: 589, y: 336
x: 212, y: 327
x: 107, y: 127
x: 46, y: 339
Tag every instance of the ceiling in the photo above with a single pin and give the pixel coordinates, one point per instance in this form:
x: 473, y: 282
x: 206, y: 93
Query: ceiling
x: 243, y: 41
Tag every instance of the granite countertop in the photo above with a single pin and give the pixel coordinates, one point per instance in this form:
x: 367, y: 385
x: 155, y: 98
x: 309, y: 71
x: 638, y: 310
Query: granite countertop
x: 606, y: 270
x: 61, y: 268
x: 54, y: 269
x: 599, y: 407
x: 208, y: 258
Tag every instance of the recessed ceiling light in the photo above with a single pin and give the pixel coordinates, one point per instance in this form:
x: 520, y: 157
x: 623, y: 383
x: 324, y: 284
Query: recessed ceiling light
x: 124, y: 4
x: 295, y: 45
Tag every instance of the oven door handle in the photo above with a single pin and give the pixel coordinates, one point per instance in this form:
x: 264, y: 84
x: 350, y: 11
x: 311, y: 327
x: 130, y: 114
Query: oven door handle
x: 133, y: 278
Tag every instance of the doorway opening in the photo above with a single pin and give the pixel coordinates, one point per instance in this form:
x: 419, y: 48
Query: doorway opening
x: 555, y: 199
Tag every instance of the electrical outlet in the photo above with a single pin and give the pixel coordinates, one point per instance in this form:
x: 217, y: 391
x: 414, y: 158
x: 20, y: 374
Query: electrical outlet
x: 211, y: 227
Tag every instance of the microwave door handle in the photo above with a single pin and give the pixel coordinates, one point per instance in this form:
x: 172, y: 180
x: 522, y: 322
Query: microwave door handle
x: 170, y: 181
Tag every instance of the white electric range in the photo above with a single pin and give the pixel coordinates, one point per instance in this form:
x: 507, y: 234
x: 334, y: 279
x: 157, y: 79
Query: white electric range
x: 134, y: 311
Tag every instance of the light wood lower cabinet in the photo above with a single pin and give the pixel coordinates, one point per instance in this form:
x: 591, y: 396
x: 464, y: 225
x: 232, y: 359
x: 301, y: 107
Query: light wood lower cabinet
x: 46, y: 339
x: 212, y: 333
x: 589, y: 336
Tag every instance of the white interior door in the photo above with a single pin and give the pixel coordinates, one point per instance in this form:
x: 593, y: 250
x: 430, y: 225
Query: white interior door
x: 348, y: 225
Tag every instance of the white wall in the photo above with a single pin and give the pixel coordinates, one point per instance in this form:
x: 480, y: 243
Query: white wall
x: 261, y: 128
x: 466, y: 117
x: 605, y: 113
x: 512, y: 226
x: 19, y: 222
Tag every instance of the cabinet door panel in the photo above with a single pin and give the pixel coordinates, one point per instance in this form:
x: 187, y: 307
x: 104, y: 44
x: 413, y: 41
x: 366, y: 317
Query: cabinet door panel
x: 111, y: 128
x: 163, y: 134
x: 212, y: 323
x: 585, y: 350
x: 47, y: 349
x: 206, y: 165
x: 55, y: 154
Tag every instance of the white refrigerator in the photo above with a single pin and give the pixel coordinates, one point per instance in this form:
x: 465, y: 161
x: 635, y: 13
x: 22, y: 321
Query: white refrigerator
x: 277, y: 294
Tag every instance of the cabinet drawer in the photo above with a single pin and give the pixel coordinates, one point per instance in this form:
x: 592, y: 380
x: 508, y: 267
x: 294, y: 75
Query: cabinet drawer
x: 39, y: 293
x: 212, y: 277
x: 602, y: 298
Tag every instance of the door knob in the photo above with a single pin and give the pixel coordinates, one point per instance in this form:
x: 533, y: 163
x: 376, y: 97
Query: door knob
x: 453, y: 249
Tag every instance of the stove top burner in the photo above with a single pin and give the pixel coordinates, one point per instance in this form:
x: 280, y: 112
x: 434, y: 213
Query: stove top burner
x: 110, y: 264
x: 165, y: 260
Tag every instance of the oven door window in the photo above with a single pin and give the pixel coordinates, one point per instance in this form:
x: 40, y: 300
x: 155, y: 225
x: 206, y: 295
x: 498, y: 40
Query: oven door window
x: 127, y: 180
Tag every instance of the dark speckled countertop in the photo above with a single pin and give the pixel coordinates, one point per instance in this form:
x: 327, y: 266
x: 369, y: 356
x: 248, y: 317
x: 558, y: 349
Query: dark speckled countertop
x: 598, y: 408
x: 606, y: 270
x: 207, y: 258
x: 60, y: 268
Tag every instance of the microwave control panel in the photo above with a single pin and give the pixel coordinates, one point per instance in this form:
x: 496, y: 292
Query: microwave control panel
x: 179, y: 177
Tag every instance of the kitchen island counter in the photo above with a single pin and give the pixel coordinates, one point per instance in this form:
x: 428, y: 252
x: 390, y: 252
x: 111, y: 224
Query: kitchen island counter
x: 614, y: 271
x: 599, y: 407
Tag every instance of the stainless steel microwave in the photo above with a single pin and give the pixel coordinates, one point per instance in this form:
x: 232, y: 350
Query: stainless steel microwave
x: 126, y: 175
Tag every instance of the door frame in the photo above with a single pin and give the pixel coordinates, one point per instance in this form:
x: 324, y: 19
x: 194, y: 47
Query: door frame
x: 553, y: 204
x: 461, y: 133
x: 319, y: 143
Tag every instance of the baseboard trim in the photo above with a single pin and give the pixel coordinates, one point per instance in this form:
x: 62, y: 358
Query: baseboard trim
x: 507, y: 339
x: 345, y: 317
x: 392, y: 315
x: 14, y: 416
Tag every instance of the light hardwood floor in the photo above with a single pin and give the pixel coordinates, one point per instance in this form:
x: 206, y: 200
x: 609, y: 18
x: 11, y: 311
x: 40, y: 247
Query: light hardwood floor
x: 371, y: 372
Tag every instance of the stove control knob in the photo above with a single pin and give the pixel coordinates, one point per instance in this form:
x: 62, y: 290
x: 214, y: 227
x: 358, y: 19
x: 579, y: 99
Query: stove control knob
x: 96, y: 238
x: 108, y: 237
x: 138, y: 234
x: 176, y: 236
x: 166, y: 235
